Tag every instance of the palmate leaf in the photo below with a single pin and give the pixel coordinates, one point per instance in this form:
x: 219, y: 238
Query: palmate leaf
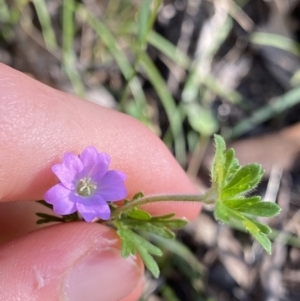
x: 232, y: 182
x: 138, y: 220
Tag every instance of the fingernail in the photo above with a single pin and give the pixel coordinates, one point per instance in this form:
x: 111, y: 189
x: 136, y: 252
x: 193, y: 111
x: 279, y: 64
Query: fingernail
x: 102, y: 275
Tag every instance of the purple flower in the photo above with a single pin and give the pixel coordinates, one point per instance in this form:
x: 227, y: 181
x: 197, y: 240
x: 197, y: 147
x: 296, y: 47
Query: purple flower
x: 86, y: 185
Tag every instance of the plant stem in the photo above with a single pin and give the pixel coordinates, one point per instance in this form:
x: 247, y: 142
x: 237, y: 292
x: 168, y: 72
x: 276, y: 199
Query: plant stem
x: 208, y: 198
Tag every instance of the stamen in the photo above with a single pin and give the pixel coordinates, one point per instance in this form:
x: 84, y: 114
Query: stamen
x: 86, y: 187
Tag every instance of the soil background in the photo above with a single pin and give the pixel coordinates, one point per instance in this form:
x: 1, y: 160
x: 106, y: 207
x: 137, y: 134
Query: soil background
x: 230, y: 266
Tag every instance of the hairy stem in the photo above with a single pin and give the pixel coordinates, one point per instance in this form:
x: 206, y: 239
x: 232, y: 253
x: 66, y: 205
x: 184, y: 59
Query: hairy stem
x: 208, y: 198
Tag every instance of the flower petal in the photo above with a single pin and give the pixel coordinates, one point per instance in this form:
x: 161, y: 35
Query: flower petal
x: 59, y: 197
x: 72, y: 162
x: 96, y: 164
x: 111, y: 187
x: 89, y: 156
x: 67, y: 171
x: 90, y: 211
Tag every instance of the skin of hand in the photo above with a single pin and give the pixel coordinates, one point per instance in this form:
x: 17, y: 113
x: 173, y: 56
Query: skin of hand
x: 72, y: 261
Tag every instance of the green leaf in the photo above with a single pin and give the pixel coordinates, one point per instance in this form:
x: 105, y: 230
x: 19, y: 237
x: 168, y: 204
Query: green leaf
x: 42, y: 202
x: 253, y: 228
x: 166, y: 216
x: 230, y: 184
x: 231, y: 164
x: 139, y: 241
x: 157, y: 226
x: 169, y: 104
x: 221, y: 213
x: 48, y: 218
x: 201, y: 119
x: 262, y: 227
x: 266, y: 209
x: 264, y: 241
x: 244, y: 180
x: 241, y: 202
x: 143, y: 19
x: 226, y: 214
x: 149, y: 262
x: 127, y: 248
x: 139, y: 214
x: 144, y: 248
x: 148, y: 227
x: 175, y: 223
x: 217, y: 172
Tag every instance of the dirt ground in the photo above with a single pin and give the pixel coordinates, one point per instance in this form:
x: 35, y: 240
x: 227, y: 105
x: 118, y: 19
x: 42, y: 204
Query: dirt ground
x: 230, y: 266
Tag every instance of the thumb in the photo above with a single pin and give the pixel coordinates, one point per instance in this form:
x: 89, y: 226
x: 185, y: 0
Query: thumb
x: 70, y: 262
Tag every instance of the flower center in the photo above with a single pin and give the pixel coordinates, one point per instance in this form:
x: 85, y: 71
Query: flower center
x: 86, y: 187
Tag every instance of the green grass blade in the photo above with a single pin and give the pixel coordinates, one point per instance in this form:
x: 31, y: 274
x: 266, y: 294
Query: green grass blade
x: 182, y: 60
x: 279, y: 105
x: 277, y: 41
x: 69, y: 56
x: 115, y: 50
x: 169, y: 105
x: 179, y: 249
x: 198, y: 71
x: 143, y: 20
x: 156, y: 4
x: 146, y: 21
x: 45, y: 20
x: 169, y: 49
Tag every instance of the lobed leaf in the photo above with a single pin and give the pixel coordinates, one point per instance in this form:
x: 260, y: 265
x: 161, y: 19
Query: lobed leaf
x: 264, y: 241
x: 242, y: 202
x: 217, y: 171
x: 139, y: 241
x: 131, y: 240
x: 139, y: 214
x: 175, y: 223
x: 244, y: 180
x: 221, y: 213
x: 262, y: 227
x: 151, y: 228
x: 255, y: 230
x: 266, y: 209
x: 226, y: 214
x: 231, y: 165
x: 127, y: 248
x: 149, y: 262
